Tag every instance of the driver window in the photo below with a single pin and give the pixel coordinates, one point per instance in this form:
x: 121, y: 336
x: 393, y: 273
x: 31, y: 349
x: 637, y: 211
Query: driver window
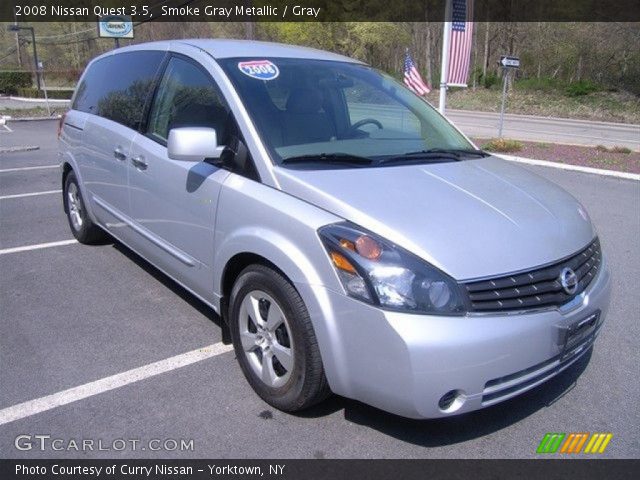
x: 187, y: 97
x: 365, y: 101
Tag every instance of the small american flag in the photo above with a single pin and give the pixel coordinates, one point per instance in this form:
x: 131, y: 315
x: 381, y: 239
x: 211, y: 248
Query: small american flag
x: 460, y: 46
x: 412, y: 78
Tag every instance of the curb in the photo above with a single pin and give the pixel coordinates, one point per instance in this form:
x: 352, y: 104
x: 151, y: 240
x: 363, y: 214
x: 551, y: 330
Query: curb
x: 33, y: 119
x: 565, y: 166
x: 26, y: 148
x: 39, y: 100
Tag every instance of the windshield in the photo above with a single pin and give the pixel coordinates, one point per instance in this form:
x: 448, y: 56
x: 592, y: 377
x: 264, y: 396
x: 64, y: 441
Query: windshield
x: 318, y: 110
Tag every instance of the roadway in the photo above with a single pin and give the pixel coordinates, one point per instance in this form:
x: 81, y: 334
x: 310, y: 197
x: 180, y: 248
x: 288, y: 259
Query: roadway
x: 550, y: 130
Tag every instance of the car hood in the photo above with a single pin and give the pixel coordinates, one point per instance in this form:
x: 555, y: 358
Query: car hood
x: 471, y: 219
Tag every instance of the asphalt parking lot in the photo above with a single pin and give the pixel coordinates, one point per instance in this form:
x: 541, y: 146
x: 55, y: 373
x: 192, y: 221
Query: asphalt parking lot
x: 72, y: 315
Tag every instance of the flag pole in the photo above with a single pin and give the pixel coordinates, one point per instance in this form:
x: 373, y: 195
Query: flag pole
x: 444, y: 67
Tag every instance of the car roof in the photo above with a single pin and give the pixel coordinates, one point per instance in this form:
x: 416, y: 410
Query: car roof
x: 227, y: 48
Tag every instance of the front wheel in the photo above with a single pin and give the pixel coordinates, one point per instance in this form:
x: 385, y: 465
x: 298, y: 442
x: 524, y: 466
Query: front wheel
x: 274, y: 340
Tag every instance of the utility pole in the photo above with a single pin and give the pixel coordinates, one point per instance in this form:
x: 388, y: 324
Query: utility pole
x: 486, y: 51
x: 249, y: 30
x: 249, y: 27
x: 35, y: 55
x: 16, y: 28
x: 15, y: 22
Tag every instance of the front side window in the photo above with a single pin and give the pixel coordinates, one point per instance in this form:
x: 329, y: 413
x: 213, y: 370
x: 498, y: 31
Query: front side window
x: 187, y: 97
x: 325, y: 108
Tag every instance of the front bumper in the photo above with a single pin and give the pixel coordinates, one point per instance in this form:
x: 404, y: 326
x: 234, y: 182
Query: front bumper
x: 405, y: 363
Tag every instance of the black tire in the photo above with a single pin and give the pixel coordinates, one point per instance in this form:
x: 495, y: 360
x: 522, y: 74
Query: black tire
x: 84, y: 230
x: 306, y: 384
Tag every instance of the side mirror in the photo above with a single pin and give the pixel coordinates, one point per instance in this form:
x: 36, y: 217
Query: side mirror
x: 193, y: 144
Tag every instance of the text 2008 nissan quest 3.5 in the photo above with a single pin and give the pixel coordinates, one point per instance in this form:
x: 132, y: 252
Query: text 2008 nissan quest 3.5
x: 352, y: 239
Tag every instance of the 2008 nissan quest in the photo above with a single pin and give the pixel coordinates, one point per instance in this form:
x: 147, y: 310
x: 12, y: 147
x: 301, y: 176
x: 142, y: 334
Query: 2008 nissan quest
x: 352, y: 239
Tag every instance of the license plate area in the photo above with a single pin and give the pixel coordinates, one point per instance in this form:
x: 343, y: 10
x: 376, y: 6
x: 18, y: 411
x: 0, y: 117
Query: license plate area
x: 579, y: 335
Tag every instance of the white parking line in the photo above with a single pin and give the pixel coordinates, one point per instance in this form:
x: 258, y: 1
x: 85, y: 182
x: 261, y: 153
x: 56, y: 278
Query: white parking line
x: 32, y: 194
x: 37, y: 246
x: 32, y: 407
x: 20, y: 169
x: 567, y: 166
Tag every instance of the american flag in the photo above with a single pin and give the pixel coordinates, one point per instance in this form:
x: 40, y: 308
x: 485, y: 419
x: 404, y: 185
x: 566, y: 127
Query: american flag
x: 460, y: 46
x: 412, y: 78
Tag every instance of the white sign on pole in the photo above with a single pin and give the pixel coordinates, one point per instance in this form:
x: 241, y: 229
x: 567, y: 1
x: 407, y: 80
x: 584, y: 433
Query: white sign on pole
x: 115, y: 26
x: 509, y: 62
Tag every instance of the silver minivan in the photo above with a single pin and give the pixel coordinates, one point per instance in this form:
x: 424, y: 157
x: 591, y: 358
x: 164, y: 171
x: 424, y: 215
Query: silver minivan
x: 352, y: 239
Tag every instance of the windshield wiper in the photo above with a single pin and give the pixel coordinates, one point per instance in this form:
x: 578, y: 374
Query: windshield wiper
x: 336, y: 158
x: 462, y: 151
x: 436, y: 154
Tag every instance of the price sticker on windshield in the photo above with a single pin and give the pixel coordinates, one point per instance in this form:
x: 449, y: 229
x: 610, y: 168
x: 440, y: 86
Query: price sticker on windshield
x: 259, y: 69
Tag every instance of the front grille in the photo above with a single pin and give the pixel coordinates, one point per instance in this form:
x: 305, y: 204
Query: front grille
x: 536, y: 288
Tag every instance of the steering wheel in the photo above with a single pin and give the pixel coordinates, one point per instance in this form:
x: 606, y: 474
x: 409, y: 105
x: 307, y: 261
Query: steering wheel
x: 364, y: 121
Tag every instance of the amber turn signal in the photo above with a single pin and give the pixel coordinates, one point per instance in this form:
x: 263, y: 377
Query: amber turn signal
x: 348, y: 244
x: 342, y: 263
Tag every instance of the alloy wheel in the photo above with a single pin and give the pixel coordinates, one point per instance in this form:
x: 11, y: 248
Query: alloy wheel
x: 266, y: 338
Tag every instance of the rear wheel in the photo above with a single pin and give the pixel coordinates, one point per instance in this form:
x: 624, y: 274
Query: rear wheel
x: 81, y: 225
x: 274, y: 340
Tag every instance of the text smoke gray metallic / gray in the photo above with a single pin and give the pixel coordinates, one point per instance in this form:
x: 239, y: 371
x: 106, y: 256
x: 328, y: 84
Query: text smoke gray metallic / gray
x: 352, y: 239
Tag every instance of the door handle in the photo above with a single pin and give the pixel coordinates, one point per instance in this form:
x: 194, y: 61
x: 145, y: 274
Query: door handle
x: 139, y: 162
x: 119, y: 154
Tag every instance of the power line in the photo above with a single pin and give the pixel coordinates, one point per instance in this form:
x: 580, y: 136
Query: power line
x: 70, y: 42
x: 40, y: 37
x: 12, y: 50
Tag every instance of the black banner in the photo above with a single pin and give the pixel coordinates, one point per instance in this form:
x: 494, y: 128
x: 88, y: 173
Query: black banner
x: 317, y: 10
x: 320, y: 469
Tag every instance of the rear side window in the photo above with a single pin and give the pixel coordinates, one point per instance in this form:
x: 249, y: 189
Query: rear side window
x: 117, y: 87
x: 91, y: 87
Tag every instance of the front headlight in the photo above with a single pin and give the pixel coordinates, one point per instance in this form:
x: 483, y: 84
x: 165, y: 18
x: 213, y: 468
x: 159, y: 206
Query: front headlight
x: 376, y: 271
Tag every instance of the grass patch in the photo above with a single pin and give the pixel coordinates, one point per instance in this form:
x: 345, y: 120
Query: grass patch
x: 618, y: 149
x: 32, y: 112
x: 31, y: 92
x: 583, y: 87
x: 615, y: 149
x: 544, y: 84
x: 502, y: 145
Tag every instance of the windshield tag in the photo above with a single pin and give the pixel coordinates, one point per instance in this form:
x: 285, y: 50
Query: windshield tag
x: 259, y: 69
